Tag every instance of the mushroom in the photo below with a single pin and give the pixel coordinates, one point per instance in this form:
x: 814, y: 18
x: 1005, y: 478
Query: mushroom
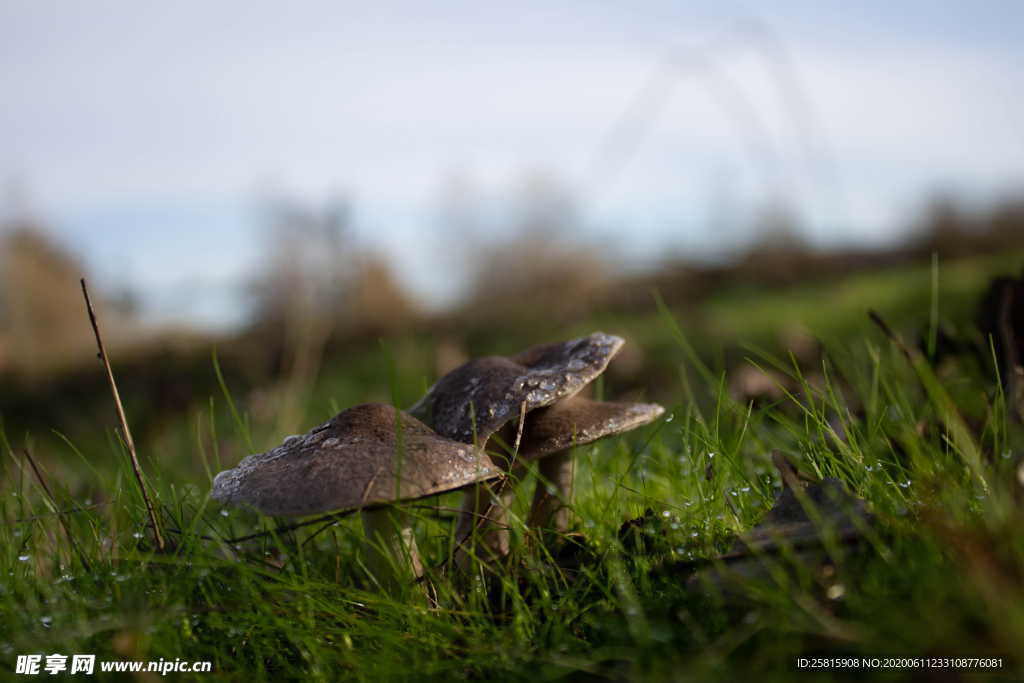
x: 366, y: 458
x: 550, y: 435
x: 476, y: 400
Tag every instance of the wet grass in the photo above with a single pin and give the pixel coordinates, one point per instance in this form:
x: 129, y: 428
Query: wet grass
x: 931, y: 449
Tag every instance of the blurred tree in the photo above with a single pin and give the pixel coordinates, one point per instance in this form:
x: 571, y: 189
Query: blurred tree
x: 778, y: 251
x: 944, y: 226
x: 543, y: 268
x: 461, y: 227
x: 1006, y: 220
x: 300, y: 296
x: 305, y: 265
x: 317, y: 278
x: 316, y: 282
x: 950, y: 226
x: 377, y: 303
x: 42, y: 323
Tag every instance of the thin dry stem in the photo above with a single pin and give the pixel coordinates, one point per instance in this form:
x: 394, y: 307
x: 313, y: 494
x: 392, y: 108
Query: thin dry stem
x: 125, y: 431
x: 60, y: 515
x: 877, y: 319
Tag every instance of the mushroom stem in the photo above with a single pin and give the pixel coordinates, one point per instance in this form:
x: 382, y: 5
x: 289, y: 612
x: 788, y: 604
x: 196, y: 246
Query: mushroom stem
x: 550, y: 508
x: 391, y: 553
x: 487, y: 538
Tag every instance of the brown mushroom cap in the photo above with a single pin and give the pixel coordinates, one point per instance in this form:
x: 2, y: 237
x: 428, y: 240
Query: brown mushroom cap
x: 477, y: 398
x: 367, y: 455
x: 577, y: 421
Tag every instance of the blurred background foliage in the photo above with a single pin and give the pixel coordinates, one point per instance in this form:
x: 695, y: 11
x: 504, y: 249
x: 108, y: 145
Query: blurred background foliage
x: 330, y: 325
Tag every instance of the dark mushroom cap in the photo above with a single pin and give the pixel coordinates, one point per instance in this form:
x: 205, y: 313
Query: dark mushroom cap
x: 367, y: 455
x: 477, y: 398
x: 577, y: 421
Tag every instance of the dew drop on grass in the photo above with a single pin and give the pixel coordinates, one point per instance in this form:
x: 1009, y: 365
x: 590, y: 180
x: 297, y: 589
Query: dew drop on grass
x: 666, y: 514
x: 46, y: 621
x: 905, y: 484
x: 23, y: 558
x: 224, y: 513
x: 671, y: 416
x: 137, y: 534
x: 835, y: 591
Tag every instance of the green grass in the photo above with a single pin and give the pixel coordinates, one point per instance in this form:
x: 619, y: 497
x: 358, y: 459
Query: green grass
x: 932, y: 451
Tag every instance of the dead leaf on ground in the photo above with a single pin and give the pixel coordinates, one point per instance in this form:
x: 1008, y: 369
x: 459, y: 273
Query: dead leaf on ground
x: 1000, y: 318
x: 808, y: 523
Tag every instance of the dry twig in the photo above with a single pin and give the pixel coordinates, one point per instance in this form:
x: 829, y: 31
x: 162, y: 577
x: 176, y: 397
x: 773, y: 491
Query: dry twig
x: 60, y: 515
x: 125, y: 431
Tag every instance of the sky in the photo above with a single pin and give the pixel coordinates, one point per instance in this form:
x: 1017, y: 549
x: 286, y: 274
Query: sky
x: 145, y: 134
